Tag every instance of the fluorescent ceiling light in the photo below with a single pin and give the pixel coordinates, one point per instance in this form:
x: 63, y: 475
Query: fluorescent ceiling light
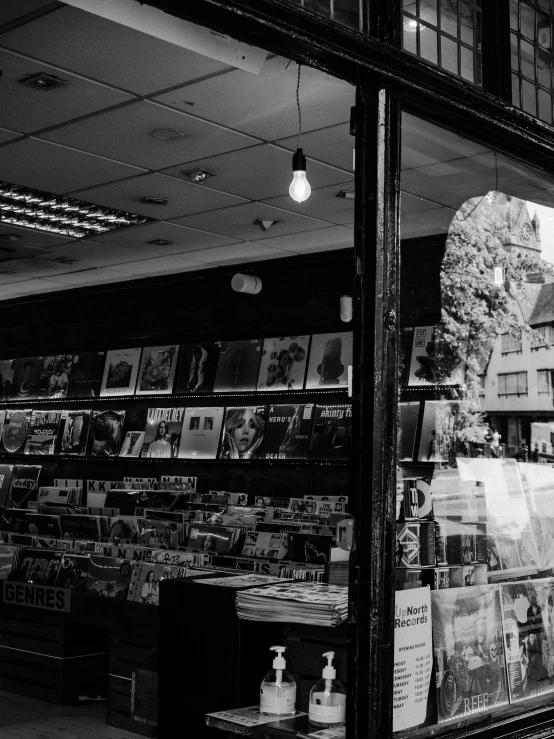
x: 177, y: 31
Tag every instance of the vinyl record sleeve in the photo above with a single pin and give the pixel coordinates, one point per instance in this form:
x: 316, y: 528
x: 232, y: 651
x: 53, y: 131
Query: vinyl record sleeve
x: 470, y: 662
x: 162, y: 434
x: 55, y: 374
x: 26, y: 378
x: 93, y: 528
x: 157, y: 370
x: 438, y: 430
x: 73, y: 432
x: 73, y: 572
x: 6, y: 472
x: 6, y: 379
x: 330, y: 356
x: 106, y: 433
x: 86, y: 375
x: 145, y: 585
x: 332, y: 432
x: 243, y: 432
x: 39, y: 566
x: 43, y: 432
x: 132, y: 444
x: 423, y: 372
x: 283, y: 363
x: 201, y: 433
x: 24, y: 485
x: 120, y: 372
x: 238, y: 366
x: 409, y: 414
x: 14, y: 431
x: 288, y: 431
x: 197, y: 367
x: 108, y: 577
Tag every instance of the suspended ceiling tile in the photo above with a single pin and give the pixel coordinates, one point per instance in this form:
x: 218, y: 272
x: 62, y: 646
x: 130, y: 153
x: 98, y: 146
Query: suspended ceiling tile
x: 13, y: 10
x: 6, y: 135
x: 334, y: 237
x: 236, y: 253
x: 238, y: 222
x: 89, y: 254
x: 29, y: 238
x: 323, y: 203
x: 109, y: 52
x: 259, y: 172
x: 125, y: 134
x: 32, y: 267
x: 58, y: 169
x: 81, y: 278
x: 426, y: 223
x: 158, y: 265
x: 333, y: 145
x: 31, y: 108
x: 449, y: 189
x: 183, y: 239
x: 264, y: 105
x: 184, y: 198
x: 414, y: 204
x: 33, y: 286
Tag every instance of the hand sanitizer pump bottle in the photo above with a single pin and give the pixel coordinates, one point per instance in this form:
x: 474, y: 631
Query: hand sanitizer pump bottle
x: 327, y: 698
x: 278, y: 689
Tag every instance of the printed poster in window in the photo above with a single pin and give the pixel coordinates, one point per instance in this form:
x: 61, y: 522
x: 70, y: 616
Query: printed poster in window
x: 424, y: 370
x: 330, y: 357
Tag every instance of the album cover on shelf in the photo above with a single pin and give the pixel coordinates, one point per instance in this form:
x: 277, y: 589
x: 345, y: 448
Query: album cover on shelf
x: 201, y: 433
x: 54, y: 377
x: 93, y: 528
x: 14, y: 431
x: 313, y: 549
x: 243, y: 432
x: 157, y: 370
x: 330, y: 357
x: 106, y: 433
x: 6, y: 380
x: 197, y: 367
x: 9, y: 559
x: 160, y: 533
x: 73, y: 432
x: 145, y: 584
x: 120, y: 372
x: 43, y: 432
x: 332, y: 432
x: 6, y: 472
x: 132, y: 444
x: 441, y: 421
x: 470, y: 661
x: 283, y: 363
x: 39, y: 566
x: 73, y: 572
x: 266, y: 544
x: 212, y: 538
x: 26, y: 378
x: 423, y: 371
x: 238, y: 366
x: 108, y: 577
x: 162, y: 435
x: 288, y: 431
x: 409, y: 414
x: 24, y: 485
x: 86, y: 375
x: 124, y: 529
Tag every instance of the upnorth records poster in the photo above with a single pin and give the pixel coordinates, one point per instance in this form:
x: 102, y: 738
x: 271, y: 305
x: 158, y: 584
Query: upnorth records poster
x: 157, y: 370
x: 409, y: 413
x: 527, y: 608
x: 162, y: 434
x: 423, y: 371
x: 243, y: 432
x: 332, y: 432
x: 43, y: 432
x: 26, y: 378
x: 238, y: 366
x: 413, y: 657
x: 283, y: 364
x: 54, y: 378
x: 197, y: 367
x: 201, y: 433
x: 330, y: 357
x: 86, y: 375
x: 14, y: 431
x: 106, y: 433
x: 73, y: 432
x: 288, y: 431
x: 6, y: 379
x: 469, y: 651
x: 120, y: 372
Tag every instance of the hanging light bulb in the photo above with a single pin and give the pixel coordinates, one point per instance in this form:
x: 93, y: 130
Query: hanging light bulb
x: 299, y: 189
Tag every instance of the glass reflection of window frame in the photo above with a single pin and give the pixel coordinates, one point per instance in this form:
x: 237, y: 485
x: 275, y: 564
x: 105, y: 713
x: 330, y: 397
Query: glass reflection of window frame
x: 524, y: 82
x: 332, y: 13
x: 415, y: 22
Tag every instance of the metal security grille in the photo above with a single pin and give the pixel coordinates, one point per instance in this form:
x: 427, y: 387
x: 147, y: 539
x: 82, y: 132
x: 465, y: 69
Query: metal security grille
x: 531, y: 53
x: 446, y: 33
x: 346, y: 12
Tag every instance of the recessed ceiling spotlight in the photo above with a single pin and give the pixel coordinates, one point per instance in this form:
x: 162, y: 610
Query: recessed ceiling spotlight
x: 160, y: 242
x: 10, y: 237
x: 155, y: 201
x: 348, y: 194
x: 43, y: 81
x: 197, y: 175
x: 167, y: 134
x: 265, y: 223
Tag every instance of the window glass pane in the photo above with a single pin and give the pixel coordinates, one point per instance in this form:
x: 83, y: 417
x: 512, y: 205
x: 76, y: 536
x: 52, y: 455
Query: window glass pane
x: 410, y: 37
x: 449, y: 55
x: 515, y: 90
x: 449, y: 17
x: 467, y: 59
x: 527, y: 20
x: 475, y: 513
x: 344, y: 12
x: 527, y: 52
x: 529, y: 97
x: 545, y: 106
x: 428, y: 44
x: 514, y: 7
x: 428, y: 11
x: 467, y: 20
x: 543, y: 72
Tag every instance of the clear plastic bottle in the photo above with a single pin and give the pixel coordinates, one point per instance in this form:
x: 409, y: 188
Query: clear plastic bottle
x: 327, y: 698
x: 278, y: 689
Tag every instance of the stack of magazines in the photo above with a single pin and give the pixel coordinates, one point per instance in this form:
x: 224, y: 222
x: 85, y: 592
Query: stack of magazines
x: 296, y: 602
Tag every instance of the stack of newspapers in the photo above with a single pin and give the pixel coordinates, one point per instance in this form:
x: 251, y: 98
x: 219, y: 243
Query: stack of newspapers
x: 296, y: 602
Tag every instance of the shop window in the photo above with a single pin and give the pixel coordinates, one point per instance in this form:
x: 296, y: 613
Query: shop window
x: 446, y: 33
x: 543, y: 382
x: 531, y: 54
x: 345, y: 12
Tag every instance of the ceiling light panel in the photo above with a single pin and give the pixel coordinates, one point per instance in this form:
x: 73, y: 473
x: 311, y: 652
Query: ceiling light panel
x: 21, y: 206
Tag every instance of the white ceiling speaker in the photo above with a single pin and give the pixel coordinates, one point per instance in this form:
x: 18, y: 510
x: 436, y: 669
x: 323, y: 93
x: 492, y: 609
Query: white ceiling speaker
x: 246, y: 284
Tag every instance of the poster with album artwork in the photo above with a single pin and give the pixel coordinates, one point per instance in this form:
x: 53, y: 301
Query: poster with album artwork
x: 162, y: 434
x: 201, y: 433
x: 157, y: 370
x: 283, y: 364
x: 106, y: 433
x: 243, y: 432
x: 332, y: 432
x: 197, y: 367
x: 409, y: 414
x: 73, y: 432
x: 54, y: 377
x: 26, y: 378
x: 423, y: 371
x: 238, y: 366
x: 132, y: 444
x: 14, y: 431
x: 120, y: 372
x: 288, y: 431
x: 330, y: 357
x: 86, y: 375
x: 6, y: 379
x: 43, y: 432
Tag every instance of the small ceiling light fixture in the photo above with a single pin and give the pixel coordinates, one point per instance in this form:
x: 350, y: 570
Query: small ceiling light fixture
x: 197, y: 175
x: 160, y: 242
x: 246, y: 284
x: 348, y: 194
x: 167, y: 134
x: 265, y: 223
x: 43, y: 81
x: 155, y: 201
x: 299, y: 189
